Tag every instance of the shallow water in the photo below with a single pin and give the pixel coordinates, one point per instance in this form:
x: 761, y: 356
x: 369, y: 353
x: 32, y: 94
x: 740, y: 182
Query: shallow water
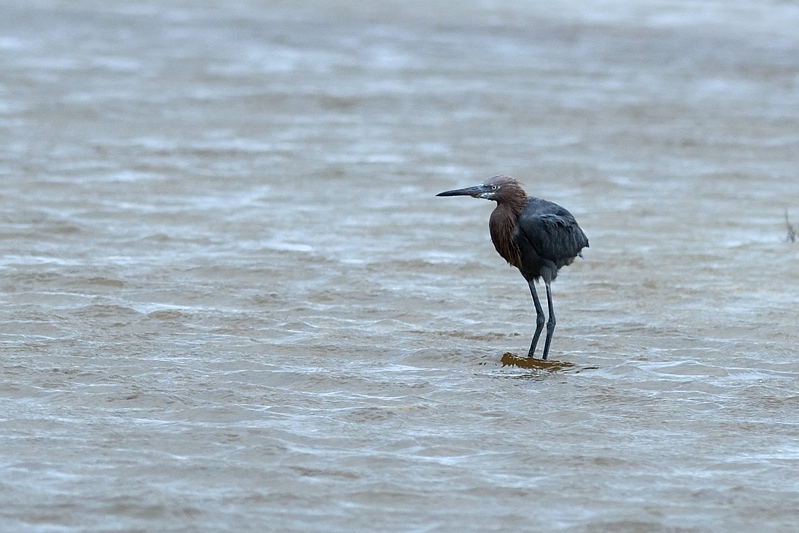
x: 231, y: 300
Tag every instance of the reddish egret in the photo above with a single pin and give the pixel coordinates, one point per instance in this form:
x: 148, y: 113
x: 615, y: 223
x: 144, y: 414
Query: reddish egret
x: 534, y: 235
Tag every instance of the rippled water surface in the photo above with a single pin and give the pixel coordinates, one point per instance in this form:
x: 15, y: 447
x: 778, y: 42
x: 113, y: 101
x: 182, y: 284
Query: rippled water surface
x: 232, y: 302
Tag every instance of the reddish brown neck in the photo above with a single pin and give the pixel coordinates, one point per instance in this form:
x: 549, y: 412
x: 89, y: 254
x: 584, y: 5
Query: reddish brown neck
x: 503, y: 223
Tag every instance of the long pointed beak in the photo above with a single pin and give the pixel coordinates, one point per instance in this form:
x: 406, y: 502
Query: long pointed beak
x: 474, y: 192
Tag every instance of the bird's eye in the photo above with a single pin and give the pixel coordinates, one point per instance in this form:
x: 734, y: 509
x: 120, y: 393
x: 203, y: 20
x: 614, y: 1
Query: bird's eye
x: 494, y: 187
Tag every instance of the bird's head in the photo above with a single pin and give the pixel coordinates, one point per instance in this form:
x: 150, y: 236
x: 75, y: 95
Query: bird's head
x: 496, y: 188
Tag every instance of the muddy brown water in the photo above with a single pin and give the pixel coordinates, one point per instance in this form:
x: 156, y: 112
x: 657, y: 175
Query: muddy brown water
x: 232, y: 302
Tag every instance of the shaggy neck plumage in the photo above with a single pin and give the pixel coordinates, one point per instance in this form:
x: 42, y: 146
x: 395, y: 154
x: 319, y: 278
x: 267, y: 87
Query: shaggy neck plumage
x: 503, y: 223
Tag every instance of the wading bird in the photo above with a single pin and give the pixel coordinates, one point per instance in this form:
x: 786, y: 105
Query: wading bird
x: 536, y: 236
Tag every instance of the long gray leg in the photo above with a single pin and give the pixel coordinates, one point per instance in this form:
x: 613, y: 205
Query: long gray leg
x: 539, y: 318
x: 550, y: 323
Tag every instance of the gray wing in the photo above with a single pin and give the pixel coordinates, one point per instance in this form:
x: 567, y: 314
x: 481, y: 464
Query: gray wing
x: 550, y: 232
